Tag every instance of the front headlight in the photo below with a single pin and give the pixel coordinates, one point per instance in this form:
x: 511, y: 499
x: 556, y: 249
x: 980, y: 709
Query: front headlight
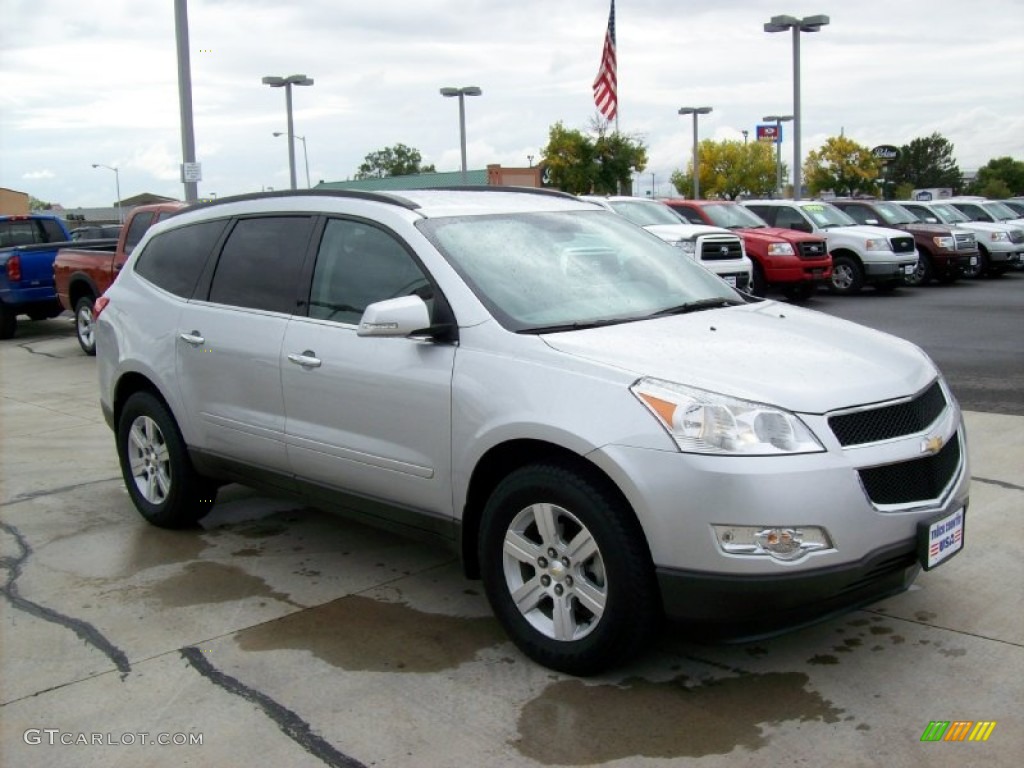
x: 1000, y: 237
x: 706, y: 422
x: 945, y: 242
x: 878, y: 244
x: 689, y: 247
x: 780, y: 249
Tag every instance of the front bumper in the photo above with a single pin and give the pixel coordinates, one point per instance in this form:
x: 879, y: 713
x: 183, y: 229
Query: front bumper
x: 744, y: 607
x: 869, y: 498
x: 877, y: 271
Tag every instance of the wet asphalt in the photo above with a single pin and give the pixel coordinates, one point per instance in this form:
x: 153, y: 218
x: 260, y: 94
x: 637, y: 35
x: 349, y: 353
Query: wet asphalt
x: 278, y: 634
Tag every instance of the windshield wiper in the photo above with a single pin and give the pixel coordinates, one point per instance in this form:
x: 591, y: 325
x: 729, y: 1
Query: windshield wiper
x: 696, y: 306
x: 577, y: 326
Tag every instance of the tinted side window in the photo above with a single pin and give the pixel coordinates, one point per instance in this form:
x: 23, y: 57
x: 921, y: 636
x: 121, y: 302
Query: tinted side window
x: 174, y: 260
x: 54, y: 234
x: 859, y: 213
x: 689, y: 214
x: 358, y: 264
x: 140, y: 223
x: 787, y: 218
x: 766, y: 212
x: 260, y: 263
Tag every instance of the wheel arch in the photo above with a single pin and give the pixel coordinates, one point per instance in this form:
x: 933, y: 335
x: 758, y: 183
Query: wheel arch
x: 847, y: 253
x: 79, y: 286
x: 131, y: 383
x: 503, y: 459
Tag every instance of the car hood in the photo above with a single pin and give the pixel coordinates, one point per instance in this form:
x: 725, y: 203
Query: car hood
x: 673, y: 232
x: 775, y: 234
x: 772, y: 353
x: 867, y: 230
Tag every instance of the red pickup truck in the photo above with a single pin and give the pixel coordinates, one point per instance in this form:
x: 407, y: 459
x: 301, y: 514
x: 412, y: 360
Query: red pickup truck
x: 794, y: 262
x: 83, y: 275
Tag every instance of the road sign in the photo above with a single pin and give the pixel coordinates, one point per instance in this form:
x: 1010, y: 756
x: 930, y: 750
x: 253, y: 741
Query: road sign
x: 191, y: 173
x: 769, y: 133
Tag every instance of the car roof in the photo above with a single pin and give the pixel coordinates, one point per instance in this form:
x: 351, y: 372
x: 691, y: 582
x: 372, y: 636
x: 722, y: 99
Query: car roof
x: 427, y: 203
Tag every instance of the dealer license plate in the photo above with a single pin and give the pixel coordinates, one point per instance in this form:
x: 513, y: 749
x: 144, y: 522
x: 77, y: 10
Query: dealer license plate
x: 974, y: 261
x: 940, y: 539
x: 909, y: 269
x: 731, y: 280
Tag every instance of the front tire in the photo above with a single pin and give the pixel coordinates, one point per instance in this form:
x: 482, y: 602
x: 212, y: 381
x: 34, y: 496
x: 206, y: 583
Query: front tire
x: 800, y: 292
x: 84, y: 328
x: 164, y: 486
x: 566, y: 569
x: 847, y: 276
x: 922, y: 273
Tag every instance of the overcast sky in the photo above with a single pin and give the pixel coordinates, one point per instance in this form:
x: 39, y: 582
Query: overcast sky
x: 92, y: 82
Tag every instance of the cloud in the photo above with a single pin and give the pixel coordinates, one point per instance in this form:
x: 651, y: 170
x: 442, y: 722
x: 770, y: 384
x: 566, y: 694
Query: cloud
x: 46, y: 173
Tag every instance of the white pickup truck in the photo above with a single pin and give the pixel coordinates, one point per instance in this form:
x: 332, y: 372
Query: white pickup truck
x: 714, y: 248
x: 861, y: 254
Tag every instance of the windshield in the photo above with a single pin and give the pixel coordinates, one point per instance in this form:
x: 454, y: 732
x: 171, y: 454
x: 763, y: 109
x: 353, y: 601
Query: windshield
x: 949, y: 214
x: 1001, y: 212
x: 645, y: 214
x: 732, y: 216
x: 569, y: 269
x: 893, y: 213
x: 825, y: 215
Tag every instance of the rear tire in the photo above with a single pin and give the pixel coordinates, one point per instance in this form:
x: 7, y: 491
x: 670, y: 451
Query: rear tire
x: 164, y: 486
x: 567, y: 570
x: 84, y: 328
x: 8, y: 322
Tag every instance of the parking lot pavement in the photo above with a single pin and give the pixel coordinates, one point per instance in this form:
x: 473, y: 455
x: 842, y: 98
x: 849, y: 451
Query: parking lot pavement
x: 281, y: 635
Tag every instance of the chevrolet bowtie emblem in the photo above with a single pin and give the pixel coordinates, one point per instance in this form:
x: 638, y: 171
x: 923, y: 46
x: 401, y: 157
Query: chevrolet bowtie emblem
x: 932, y: 445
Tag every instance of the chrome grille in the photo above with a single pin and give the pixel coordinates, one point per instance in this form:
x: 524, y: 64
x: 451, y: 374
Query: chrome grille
x: 720, y: 250
x: 966, y: 242
x: 915, y: 480
x: 889, y: 421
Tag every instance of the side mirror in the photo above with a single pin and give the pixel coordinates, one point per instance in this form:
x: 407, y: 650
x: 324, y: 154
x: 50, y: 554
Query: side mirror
x: 401, y: 317
x: 871, y: 221
x: 802, y: 226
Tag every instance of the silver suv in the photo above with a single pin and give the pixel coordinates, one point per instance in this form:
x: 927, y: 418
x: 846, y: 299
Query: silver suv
x: 604, y: 432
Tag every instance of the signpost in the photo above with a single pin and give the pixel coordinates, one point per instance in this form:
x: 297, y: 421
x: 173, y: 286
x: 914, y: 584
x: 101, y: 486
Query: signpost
x: 769, y: 133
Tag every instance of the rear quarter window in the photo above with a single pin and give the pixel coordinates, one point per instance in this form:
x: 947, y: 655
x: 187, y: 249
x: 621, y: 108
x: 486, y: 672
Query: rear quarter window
x: 175, y: 260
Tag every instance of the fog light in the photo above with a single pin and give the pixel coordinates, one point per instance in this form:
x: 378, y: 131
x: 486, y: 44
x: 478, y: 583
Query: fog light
x: 779, y: 542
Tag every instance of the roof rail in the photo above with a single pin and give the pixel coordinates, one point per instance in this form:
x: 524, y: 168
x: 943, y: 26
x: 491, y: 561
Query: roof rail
x: 498, y: 188
x: 379, y: 197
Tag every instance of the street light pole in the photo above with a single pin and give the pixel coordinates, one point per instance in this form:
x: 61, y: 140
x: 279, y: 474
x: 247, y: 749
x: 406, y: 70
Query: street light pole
x: 287, y: 83
x: 696, y: 162
x: 778, y: 120
x: 305, y: 155
x: 117, y: 185
x: 470, y: 90
x: 806, y: 24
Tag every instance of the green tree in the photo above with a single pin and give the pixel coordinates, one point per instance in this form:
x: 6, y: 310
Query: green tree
x: 35, y: 204
x: 398, y: 160
x: 729, y: 169
x: 842, y: 166
x: 1000, y: 169
x: 604, y: 164
x: 926, y: 162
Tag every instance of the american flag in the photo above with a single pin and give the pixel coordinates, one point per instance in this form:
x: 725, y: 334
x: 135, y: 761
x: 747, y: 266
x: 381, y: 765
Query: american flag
x: 606, y: 95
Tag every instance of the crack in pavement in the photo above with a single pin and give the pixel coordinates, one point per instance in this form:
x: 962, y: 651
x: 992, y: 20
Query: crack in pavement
x: 999, y: 483
x: 291, y: 725
x: 83, y: 629
x: 54, y: 491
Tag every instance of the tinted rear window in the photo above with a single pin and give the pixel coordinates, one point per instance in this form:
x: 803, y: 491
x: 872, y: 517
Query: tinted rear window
x: 260, y: 262
x: 174, y: 260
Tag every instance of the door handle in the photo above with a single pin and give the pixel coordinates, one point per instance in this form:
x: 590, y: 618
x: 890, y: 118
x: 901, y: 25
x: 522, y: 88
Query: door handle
x: 194, y: 338
x: 307, y: 359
